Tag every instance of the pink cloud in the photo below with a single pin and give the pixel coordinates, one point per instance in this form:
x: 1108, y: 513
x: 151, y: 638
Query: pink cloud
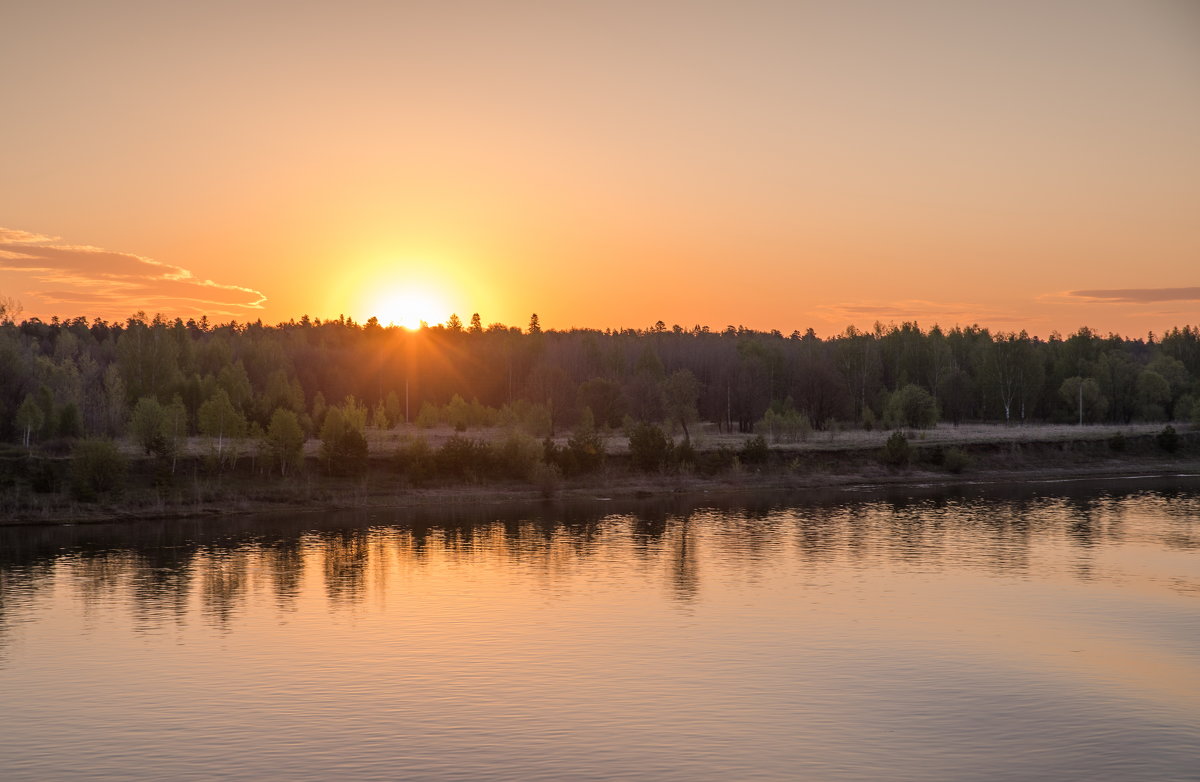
x: 110, y: 280
x: 1137, y: 295
x: 923, y: 311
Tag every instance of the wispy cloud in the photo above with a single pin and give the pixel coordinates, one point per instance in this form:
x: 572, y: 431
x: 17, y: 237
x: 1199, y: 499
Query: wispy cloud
x: 923, y: 311
x: 24, y: 237
x: 1136, y: 295
x: 113, y: 281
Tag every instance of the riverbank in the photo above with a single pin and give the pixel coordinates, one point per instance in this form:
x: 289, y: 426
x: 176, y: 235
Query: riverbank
x: 193, y: 490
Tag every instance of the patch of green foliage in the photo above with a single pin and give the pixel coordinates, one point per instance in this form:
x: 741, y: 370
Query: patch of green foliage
x: 755, y: 451
x: 1168, y: 439
x: 648, y: 447
x: 97, y: 467
x: 955, y: 460
x: 896, y: 451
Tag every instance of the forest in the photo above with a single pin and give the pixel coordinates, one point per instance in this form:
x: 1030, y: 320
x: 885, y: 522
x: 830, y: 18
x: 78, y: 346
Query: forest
x: 85, y: 378
x: 159, y: 381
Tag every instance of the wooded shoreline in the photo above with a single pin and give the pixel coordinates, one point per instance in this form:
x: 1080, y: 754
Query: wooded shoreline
x: 148, y: 492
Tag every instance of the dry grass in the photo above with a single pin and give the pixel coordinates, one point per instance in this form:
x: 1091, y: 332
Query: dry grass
x: 384, y: 442
x: 946, y: 434
x: 706, y: 436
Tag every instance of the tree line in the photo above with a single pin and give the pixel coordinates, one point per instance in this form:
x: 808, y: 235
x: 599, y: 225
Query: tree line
x: 160, y: 380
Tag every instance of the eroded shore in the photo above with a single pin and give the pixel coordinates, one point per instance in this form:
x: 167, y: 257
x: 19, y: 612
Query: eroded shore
x: 191, y: 492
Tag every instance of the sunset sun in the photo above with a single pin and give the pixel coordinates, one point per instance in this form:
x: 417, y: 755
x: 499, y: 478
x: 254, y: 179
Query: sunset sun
x: 410, y: 306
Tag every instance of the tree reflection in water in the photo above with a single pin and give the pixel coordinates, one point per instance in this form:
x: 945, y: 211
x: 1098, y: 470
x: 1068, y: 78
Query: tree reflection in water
x: 165, y: 570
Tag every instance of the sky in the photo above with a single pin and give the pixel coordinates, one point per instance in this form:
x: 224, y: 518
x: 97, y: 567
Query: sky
x: 780, y: 165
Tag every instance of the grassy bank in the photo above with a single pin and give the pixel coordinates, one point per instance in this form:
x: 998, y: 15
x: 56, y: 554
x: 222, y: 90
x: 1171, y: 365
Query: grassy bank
x: 35, y: 487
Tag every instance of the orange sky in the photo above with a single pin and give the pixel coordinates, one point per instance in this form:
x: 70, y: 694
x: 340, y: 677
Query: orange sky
x: 774, y: 164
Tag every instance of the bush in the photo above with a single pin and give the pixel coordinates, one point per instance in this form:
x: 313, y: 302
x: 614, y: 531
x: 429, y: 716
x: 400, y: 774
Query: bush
x: 1118, y: 442
x: 783, y: 423
x: 911, y: 406
x: 43, y: 478
x: 552, y: 454
x: 517, y: 455
x: 955, y: 460
x: 343, y: 444
x: 284, y: 441
x: 97, y: 467
x: 457, y: 413
x: 546, y: 477
x: 648, y: 447
x: 896, y: 451
x: 464, y: 459
x: 584, y: 452
x: 684, y: 454
x: 148, y: 424
x: 756, y: 451
x: 534, y: 418
x: 868, y: 419
x: 1168, y: 439
x: 415, y: 459
x: 717, y: 461
x: 427, y: 416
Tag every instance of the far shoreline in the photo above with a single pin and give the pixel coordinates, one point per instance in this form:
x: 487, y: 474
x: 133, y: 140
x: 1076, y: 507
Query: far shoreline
x: 861, y: 473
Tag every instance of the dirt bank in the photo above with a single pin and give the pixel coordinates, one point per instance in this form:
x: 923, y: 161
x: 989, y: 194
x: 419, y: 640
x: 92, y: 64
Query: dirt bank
x: 36, y: 494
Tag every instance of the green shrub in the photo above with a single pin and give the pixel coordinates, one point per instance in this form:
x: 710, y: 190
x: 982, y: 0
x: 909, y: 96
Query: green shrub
x: 683, y: 455
x: 284, y: 440
x: 148, y: 424
x: 868, y: 419
x: 955, y: 460
x: 717, y: 461
x: 896, y: 451
x: 546, y: 477
x: 343, y: 444
x: 517, y: 455
x: 1184, y: 408
x: 911, y: 406
x: 783, y: 423
x: 415, y: 460
x: 457, y: 413
x: 552, y: 454
x: 464, y: 459
x: 1168, y: 439
x: 427, y: 416
x: 534, y: 418
x: 1118, y: 442
x: 97, y: 467
x: 648, y: 447
x: 43, y: 478
x: 585, y: 452
x: 755, y: 451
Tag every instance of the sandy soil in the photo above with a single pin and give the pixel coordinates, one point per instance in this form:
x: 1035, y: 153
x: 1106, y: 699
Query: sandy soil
x: 384, y: 442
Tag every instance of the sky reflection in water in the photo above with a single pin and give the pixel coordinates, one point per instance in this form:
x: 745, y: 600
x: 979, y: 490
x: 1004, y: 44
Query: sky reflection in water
x: 1042, y: 634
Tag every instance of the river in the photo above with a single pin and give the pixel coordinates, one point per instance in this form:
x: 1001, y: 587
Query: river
x: 1047, y: 631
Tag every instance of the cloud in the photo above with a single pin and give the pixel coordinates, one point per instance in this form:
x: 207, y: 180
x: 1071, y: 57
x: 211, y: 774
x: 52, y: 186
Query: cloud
x: 1136, y: 295
x: 920, y: 310
x: 25, y: 237
x: 115, y: 281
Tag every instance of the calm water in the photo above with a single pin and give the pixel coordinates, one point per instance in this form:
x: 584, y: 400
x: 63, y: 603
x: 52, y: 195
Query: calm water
x: 1047, y: 633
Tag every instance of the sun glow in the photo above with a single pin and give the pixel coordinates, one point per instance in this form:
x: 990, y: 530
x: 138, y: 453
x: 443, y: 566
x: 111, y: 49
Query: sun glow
x: 410, y: 307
